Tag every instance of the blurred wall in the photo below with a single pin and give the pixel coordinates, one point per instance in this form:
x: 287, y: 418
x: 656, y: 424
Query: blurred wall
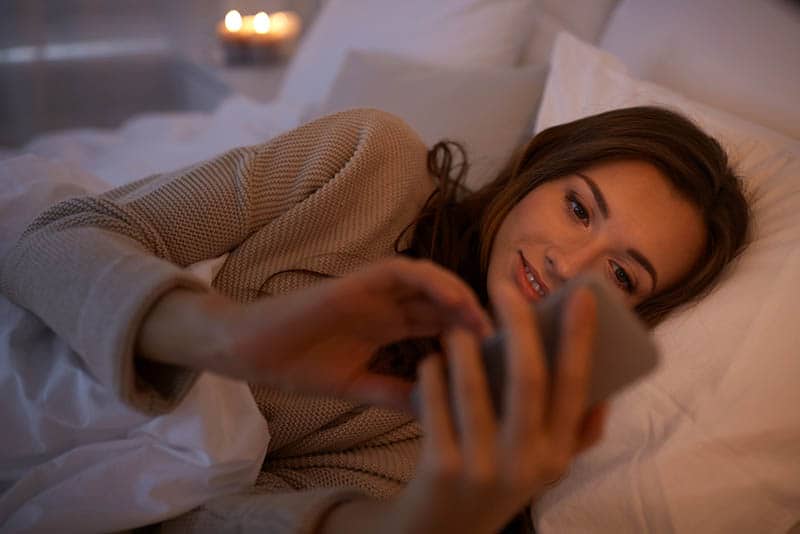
x: 185, y: 25
x: 39, y: 96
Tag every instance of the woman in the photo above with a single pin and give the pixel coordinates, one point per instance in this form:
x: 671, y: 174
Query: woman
x: 640, y: 195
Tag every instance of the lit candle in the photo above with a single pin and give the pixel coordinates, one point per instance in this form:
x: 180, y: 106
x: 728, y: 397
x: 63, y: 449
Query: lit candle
x: 232, y: 28
x: 261, y: 23
x: 258, y: 37
x: 233, y: 21
x: 273, y: 35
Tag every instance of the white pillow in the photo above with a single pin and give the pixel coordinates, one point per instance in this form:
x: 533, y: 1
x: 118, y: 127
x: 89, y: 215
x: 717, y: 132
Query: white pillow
x: 446, y: 32
x: 737, y: 55
x: 583, y: 18
x: 709, y: 443
x: 489, y: 110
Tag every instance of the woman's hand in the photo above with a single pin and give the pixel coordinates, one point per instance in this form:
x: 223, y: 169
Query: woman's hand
x: 321, y: 339
x: 476, y: 472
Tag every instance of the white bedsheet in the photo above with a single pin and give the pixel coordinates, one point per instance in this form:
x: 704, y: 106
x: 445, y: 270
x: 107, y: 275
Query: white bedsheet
x: 73, y: 458
x: 159, y: 142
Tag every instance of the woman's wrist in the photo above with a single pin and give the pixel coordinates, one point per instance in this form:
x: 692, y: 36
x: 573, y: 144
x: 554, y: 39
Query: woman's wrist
x: 186, y: 328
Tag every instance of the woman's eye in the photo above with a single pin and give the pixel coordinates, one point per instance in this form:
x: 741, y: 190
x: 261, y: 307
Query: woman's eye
x: 577, y: 209
x: 622, y: 279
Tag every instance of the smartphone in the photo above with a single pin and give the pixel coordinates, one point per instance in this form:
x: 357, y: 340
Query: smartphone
x: 623, y: 349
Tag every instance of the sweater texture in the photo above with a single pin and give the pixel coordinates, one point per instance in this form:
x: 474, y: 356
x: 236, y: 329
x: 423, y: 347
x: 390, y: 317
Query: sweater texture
x: 319, y: 201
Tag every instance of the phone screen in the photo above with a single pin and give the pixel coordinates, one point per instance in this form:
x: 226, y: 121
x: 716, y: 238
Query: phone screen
x: 623, y: 349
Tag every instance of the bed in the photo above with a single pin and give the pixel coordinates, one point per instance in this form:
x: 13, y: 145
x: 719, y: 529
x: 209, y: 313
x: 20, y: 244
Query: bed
x: 708, y: 443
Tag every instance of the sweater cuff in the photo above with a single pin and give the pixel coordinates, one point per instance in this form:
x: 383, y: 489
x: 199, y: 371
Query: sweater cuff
x: 111, y: 320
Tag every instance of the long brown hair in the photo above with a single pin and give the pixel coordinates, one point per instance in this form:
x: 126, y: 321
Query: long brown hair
x: 456, y: 228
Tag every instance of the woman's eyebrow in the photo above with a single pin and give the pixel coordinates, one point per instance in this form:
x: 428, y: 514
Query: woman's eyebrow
x: 597, y: 194
x: 603, y: 205
x: 645, y: 263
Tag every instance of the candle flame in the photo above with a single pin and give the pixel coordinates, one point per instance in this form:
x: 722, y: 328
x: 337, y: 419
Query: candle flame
x: 233, y: 21
x: 261, y: 22
x: 279, y: 21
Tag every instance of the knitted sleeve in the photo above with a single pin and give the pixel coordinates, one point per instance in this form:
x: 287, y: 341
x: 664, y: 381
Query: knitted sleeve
x: 92, y: 267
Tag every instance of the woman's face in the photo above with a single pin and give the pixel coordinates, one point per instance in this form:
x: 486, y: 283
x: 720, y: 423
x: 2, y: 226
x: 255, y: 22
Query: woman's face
x: 621, y: 219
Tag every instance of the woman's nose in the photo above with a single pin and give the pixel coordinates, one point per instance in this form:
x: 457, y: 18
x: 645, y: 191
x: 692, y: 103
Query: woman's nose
x: 563, y: 264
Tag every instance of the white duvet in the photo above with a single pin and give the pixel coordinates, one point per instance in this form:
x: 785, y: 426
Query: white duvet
x: 159, y: 142
x: 73, y: 457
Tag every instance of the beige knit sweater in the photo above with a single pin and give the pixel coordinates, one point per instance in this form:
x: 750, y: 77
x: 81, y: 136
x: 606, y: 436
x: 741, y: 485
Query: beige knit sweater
x: 325, y: 198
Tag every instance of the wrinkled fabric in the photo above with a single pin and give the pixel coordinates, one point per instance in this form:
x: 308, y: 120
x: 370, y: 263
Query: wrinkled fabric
x: 65, y: 436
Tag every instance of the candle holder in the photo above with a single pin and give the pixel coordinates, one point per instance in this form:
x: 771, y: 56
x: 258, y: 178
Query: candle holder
x: 236, y: 52
x: 260, y: 38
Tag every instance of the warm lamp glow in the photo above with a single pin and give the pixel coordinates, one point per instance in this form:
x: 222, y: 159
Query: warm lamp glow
x: 261, y: 22
x: 233, y: 21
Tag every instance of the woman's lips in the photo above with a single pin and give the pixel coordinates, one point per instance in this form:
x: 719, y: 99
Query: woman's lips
x: 529, y: 280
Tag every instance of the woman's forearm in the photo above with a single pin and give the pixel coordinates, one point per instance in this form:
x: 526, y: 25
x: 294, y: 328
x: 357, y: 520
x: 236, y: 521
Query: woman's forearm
x: 186, y: 328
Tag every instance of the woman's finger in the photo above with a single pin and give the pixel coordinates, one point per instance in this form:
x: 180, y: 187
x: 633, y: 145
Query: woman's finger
x: 419, y: 318
x: 592, y: 427
x: 471, y: 400
x: 435, y: 411
x: 526, y: 372
x: 571, y: 381
x: 444, y: 289
x: 407, y: 317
